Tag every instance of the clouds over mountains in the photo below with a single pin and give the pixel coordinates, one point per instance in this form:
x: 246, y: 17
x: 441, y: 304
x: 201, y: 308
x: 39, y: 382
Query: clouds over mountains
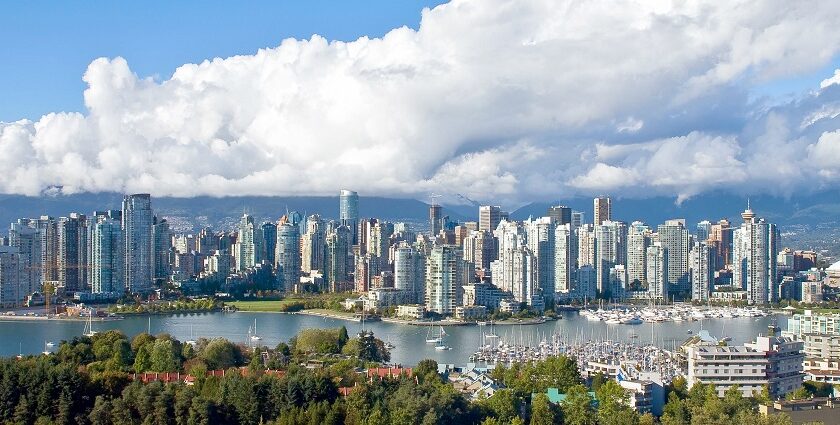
x: 492, y: 99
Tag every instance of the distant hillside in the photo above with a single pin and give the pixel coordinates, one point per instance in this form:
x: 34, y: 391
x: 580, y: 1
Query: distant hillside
x: 187, y: 213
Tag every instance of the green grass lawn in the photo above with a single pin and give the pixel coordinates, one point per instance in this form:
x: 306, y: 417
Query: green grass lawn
x: 273, y: 305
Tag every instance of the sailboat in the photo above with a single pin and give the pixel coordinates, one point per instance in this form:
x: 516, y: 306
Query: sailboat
x: 89, y: 332
x: 254, y: 336
x: 432, y: 339
x: 191, y: 340
x: 46, y: 351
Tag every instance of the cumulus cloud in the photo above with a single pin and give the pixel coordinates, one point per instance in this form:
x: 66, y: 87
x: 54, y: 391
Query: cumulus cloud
x: 491, y: 99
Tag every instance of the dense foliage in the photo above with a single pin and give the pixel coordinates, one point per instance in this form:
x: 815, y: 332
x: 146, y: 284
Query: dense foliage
x: 90, y: 381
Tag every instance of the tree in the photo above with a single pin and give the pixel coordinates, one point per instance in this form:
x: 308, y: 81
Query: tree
x: 143, y: 359
x: 542, y: 411
x: 424, y: 370
x: 577, y: 407
x: 163, y: 357
x: 220, y: 354
x: 612, y: 405
x: 675, y: 412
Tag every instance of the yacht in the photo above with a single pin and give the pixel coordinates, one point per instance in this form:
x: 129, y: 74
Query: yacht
x: 435, y: 339
x: 254, y: 336
x: 89, y: 332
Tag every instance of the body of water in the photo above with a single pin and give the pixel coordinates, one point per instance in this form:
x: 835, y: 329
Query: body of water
x: 29, y: 337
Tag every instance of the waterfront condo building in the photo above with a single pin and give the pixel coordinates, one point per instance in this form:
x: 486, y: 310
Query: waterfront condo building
x: 137, y: 221
x: 772, y: 361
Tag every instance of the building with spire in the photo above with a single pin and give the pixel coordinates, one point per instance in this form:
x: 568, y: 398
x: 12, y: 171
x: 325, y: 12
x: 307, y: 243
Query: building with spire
x: 754, y: 258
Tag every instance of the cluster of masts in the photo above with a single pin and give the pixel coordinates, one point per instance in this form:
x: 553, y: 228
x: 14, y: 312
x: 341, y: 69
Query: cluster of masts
x: 676, y: 313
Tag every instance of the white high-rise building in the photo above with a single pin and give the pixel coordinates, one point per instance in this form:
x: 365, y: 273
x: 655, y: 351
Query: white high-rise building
x: 638, y: 241
x: 702, y: 271
x: 480, y: 249
x: 410, y: 271
x: 610, y: 251
x: 754, y: 258
x: 674, y: 238
x: 540, y: 235
x: 287, y: 256
x: 313, y: 244
x: 515, y: 270
x: 657, y: 271
x: 585, y: 282
x: 565, y: 259
x: 137, y: 220
x: 28, y: 242
x: 445, y: 272
x: 10, y: 293
x: 246, y: 247
x: 586, y: 245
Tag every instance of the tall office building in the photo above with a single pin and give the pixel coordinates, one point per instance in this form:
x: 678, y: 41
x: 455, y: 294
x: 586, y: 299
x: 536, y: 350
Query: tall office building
x: 638, y: 241
x: 107, y: 257
x: 435, y: 224
x: 28, y: 242
x: 754, y: 258
x: 561, y: 214
x: 540, y: 235
x: 577, y: 219
x: 674, y: 238
x: 445, y: 271
x: 348, y: 213
x: 10, y: 293
x: 72, y: 253
x: 610, y: 251
x: 410, y: 271
x: 702, y: 271
x: 489, y: 217
x: 288, y: 255
x: 378, y: 238
x: 268, y: 245
x: 565, y: 258
x: 602, y: 210
x: 245, y: 245
x: 313, y: 244
x: 207, y: 241
x: 137, y: 220
x: 704, y: 229
x: 657, y: 271
x: 336, y: 261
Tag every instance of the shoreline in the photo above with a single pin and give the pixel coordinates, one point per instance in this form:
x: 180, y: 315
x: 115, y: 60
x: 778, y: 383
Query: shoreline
x: 57, y: 319
x: 349, y: 318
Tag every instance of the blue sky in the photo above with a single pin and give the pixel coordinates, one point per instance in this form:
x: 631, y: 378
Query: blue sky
x: 497, y: 100
x: 47, y: 45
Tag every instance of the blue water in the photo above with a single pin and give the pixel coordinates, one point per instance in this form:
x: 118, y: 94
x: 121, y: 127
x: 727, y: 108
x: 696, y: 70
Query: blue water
x: 29, y: 337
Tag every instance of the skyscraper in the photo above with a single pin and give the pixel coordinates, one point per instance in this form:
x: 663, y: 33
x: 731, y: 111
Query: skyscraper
x: 268, y: 245
x: 674, y: 238
x: 577, y: 219
x: 288, y: 255
x: 445, y: 271
x: 106, y: 255
x: 657, y: 270
x: 480, y: 249
x: 137, y: 229
x: 28, y: 242
x: 702, y: 271
x: 754, y: 258
x: 638, y: 240
x: 561, y: 214
x: 72, y: 253
x: 10, y: 294
x: 348, y: 213
x: 586, y: 245
x: 515, y: 269
x: 336, y: 260
x: 720, y: 236
x: 540, y: 233
x: 435, y: 224
x: 245, y: 244
x: 489, y: 217
x: 48, y: 231
x: 162, y: 249
x: 610, y: 251
x: 602, y: 210
x: 565, y: 258
x: 704, y: 229
x: 313, y: 244
x: 410, y: 271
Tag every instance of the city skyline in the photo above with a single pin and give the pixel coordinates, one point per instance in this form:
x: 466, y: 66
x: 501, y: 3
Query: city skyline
x: 705, y: 116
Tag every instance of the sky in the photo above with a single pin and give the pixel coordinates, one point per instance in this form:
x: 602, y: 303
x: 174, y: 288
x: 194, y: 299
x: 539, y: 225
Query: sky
x: 491, y: 100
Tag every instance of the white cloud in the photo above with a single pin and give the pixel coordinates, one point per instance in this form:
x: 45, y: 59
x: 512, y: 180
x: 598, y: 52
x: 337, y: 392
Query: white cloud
x: 489, y: 98
x: 835, y: 79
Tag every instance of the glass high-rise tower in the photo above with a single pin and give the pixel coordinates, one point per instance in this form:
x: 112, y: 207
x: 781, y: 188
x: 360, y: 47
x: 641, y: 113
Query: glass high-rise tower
x: 348, y: 213
x: 137, y: 220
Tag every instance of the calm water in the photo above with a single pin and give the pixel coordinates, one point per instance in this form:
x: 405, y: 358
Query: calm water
x: 29, y: 337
